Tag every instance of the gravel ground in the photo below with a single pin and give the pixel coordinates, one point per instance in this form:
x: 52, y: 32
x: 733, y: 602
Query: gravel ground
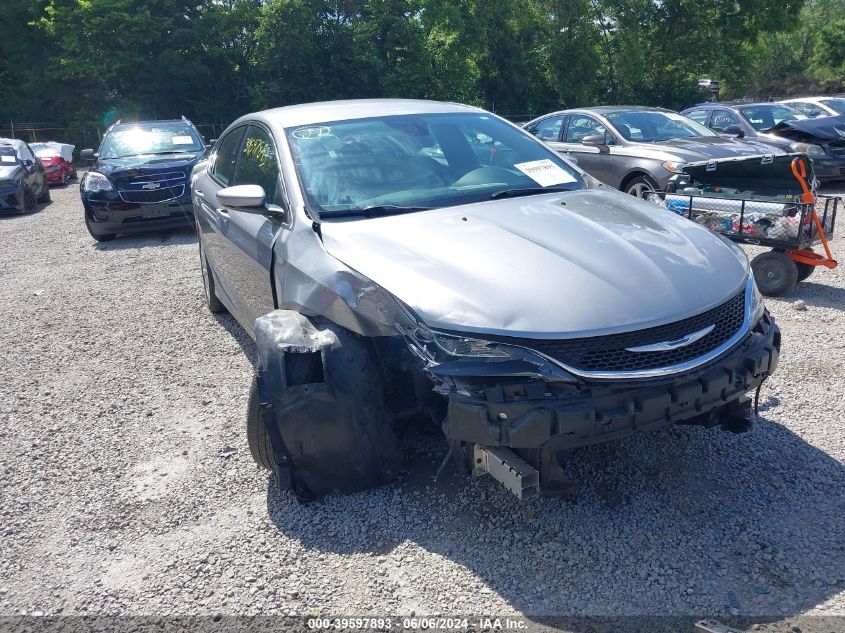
x: 127, y: 486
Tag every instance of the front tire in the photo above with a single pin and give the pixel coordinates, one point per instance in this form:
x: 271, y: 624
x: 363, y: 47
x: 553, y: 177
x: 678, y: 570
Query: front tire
x: 45, y: 194
x: 257, y: 437
x: 775, y: 273
x: 640, y: 186
x: 107, y: 237
x: 30, y: 204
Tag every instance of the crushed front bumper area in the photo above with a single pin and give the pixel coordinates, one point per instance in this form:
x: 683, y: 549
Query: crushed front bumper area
x: 601, y: 411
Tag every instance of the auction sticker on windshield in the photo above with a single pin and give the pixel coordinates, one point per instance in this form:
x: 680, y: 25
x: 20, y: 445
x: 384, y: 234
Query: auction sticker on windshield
x: 545, y: 173
x: 5, y: 158
x: 182, y: 140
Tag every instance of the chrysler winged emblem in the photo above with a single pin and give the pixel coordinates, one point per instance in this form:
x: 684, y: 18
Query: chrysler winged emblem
x: 665, y: 346
x: 151, y: 185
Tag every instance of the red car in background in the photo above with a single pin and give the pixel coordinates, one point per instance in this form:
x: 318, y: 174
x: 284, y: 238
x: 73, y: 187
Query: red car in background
x: 57, y: 159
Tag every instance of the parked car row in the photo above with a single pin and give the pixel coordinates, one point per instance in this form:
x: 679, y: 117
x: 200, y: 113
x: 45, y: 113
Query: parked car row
x: 638, y: 149
x: 397, y: 261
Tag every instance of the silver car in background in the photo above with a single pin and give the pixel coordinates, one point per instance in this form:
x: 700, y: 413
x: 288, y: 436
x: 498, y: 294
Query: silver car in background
x: 634, y: 148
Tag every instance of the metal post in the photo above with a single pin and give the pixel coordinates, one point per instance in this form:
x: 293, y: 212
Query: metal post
x: 12, y: 124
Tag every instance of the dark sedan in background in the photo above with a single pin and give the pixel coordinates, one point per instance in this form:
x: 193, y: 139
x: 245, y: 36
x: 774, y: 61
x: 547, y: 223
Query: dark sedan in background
x: 778, y: 125
x: 141, y: 178
x: 23, y: 183
x: 745, y: 120
x: 635, y: 148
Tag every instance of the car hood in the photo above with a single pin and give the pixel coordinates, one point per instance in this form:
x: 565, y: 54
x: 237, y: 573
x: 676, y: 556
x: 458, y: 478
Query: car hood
x: 9, y: 172
x: 141, y: 164
x: 705, y: 147
x: 549, y: 266
x: 829, y: 128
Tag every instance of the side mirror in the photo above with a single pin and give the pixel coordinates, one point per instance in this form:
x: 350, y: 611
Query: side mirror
x: 245, y: 196
x: 87, y: 154
x: 28, y: 163
x: 594, y: 140
x: 734, y: 130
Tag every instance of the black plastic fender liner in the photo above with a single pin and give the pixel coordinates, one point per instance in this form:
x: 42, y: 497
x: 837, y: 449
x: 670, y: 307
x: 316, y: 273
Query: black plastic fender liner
x: 336, y: 435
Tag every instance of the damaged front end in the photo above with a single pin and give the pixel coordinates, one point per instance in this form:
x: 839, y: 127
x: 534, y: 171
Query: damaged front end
x: 330, y: 398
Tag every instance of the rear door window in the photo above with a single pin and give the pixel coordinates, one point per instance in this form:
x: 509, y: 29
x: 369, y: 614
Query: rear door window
x: 227, y: 153
x: 699, y: 116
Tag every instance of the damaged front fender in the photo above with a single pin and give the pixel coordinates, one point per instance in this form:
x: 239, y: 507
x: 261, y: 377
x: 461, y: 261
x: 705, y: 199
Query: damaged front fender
x: 321, y: 403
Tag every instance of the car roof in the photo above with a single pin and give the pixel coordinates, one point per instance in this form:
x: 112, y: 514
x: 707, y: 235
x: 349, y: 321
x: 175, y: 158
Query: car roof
x: 16, y: 143
x: 608, y: 109
x: 127, y: 124
x: 325, y: 111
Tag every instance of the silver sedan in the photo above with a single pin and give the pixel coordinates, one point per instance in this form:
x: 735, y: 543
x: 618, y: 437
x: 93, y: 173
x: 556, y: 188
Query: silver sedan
x: 633, y: 148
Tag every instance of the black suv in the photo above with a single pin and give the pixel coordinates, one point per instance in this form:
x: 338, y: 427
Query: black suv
x: 141, y: 178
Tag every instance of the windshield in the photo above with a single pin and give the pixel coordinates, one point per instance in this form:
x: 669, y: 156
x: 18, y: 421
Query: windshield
x: 649, y: 127
x: 152, y: 139
x: 421, y: 161
x: 8, y: 155
x: 764, y: 117
x: 835, y: 104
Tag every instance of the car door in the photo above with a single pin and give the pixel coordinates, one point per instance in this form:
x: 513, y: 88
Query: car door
x: 244, y: 260
x: 596, y: 161
x: 209, y: 216
x: 35, y: 174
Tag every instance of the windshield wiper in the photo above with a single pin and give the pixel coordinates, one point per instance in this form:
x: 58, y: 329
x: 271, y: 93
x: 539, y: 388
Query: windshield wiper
x: 376, y: 210
x: 525, y: 191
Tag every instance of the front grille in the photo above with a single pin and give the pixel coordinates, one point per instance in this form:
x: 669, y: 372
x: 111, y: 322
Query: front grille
x: 152, y: 188
x: 609, y: 353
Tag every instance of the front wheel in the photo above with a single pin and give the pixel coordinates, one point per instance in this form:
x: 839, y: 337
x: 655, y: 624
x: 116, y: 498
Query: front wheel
x: 257, y: 437
x: 45, y: 193
x: 107, y: 237
x: 29, y: 201
x: 640, y: 186
x: 775, y: 273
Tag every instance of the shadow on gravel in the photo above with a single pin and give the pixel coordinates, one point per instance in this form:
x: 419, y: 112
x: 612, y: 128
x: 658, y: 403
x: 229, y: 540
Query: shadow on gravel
x: 153, y: 239
x: 228, y: 323
x: 820, y: 295
x: 683, y: 521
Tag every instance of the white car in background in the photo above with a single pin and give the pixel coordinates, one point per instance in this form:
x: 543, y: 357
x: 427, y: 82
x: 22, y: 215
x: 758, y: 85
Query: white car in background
x: 814, y: 107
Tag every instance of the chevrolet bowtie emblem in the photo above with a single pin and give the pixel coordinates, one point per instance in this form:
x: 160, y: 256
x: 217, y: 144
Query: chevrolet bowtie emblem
x: 151, y: 185
x: 665, y: 346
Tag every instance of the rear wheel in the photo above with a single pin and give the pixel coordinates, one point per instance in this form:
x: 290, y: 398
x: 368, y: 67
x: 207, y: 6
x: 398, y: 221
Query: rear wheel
x: 214, y: 304
x: 45, y: 194
x: 804, y: 270
x: 775, y: 273
x: 640, y: 186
